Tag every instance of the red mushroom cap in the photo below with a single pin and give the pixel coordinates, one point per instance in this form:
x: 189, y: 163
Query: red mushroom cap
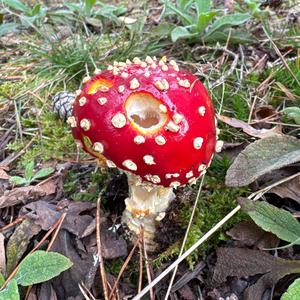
x: 148, y: 118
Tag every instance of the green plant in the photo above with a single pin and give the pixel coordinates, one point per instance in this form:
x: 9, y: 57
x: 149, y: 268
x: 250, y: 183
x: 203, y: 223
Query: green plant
x: 94, y: 12
x: 30, y: 176
x: 86, y: 12
x: 254, y: 7
x: 293, y: 112
x: 37, y: 267
x: 199, y: 21
x: 281, y: 223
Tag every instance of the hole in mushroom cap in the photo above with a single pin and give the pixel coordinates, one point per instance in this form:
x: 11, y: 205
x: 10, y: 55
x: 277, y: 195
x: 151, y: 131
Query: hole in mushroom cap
x: 99, y: 85
x: 143, y: 111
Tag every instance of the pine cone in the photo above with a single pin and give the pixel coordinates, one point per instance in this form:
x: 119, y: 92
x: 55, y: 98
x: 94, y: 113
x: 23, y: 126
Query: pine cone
x: 62, y: 104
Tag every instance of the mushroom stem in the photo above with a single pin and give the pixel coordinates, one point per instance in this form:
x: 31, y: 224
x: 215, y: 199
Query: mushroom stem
x: 145, y: 207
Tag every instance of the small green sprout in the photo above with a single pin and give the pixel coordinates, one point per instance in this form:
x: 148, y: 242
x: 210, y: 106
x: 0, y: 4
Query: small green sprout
x: 30, y: 176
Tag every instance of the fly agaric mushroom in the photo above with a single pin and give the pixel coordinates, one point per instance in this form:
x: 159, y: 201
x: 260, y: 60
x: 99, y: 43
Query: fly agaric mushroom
x: 155, y: 122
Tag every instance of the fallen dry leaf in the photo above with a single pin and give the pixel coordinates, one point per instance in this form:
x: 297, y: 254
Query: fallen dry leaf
x: 42, y: 213
x: 289, y: 189
x: 252, y: 235
x: 113, y: 246
x: 188, y: 276
x: 261, y: 157
x: 66, y: 285
x: 19, y: 241
x: 26, y: 193
x: 241, y: 262
x: 259, y: 133
x: 3, y: 174
x: 47, y: 292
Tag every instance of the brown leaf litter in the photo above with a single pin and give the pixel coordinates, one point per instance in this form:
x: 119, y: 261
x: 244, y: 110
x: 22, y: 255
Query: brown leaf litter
x: 27, y: 193
x: 250, y: 130
x: 262, y: 157
x: 253, y: 236
x: 242, y: 262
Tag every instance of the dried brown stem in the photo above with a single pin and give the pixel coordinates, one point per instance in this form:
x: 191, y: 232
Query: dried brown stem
x: 99, y: 248
x: 13, y: 223
x: 148, y: 271
x: 123, y: 269
x: 57, y: 226
x: 141, y: 267
x: 13, y: 273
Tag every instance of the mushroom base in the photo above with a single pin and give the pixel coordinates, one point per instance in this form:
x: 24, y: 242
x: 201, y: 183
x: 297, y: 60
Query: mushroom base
x: 145, y: 208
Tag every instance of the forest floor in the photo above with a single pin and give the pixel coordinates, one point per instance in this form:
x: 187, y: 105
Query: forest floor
x: 247, y: 54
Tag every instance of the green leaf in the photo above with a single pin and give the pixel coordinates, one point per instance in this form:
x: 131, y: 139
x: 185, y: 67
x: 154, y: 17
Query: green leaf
x: 17, y: 180
x: 6, y: 28
x: 185, y: 18
x: 184, y: 4
x: 180, y: 33
x: 204, y: 19
x: 17, y: 5
x: 29, y: 170
x: 293, y: 291
x: 237, y: 36
x: 41, y: 266
x: 10, y: 292
x: 228, y: 21
x: 36, y: 10
x: 273, y: 219
x: 162, y: 30
x: 292, y: 113
x: 88, y: 5
x: 203, y: 6
x: 261, y: 157
x: 43, y: 173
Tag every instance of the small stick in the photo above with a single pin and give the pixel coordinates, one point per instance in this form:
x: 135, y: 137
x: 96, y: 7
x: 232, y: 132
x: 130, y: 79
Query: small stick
x: 281, y: 56
x: 254, y: 196
x: 13, y: 223
x: 13, y: 273
x: 141, y: 268
x: 99, y: 248
x: 185, y: 236
x: 252, y: 109
x: 58, y: 223
x: 61, y: 219
x: 147, y: 265
x: 123, y: 269
x: 83, y: 292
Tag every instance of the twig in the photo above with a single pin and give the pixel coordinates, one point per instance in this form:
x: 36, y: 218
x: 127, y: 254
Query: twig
x: 252, y: 109
x: 8, y: 161
x: 185, y: 236
x: 227, y: 73
x: 281, y: 56
x: 99, y: 248
x: 57, y: 224
x: 123, y: 269
x: 187, y: 253
x: 141, y: 267
x: 85, y: 291
x: 60, y: 221
x: 254, y: 196
x: 147, y: 265
x: 13, y: 273
x: 56, y: 231
x: 13, y: 223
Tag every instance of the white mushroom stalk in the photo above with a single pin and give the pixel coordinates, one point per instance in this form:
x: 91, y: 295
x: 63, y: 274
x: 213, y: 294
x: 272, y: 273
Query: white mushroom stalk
x: 145, y: 207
